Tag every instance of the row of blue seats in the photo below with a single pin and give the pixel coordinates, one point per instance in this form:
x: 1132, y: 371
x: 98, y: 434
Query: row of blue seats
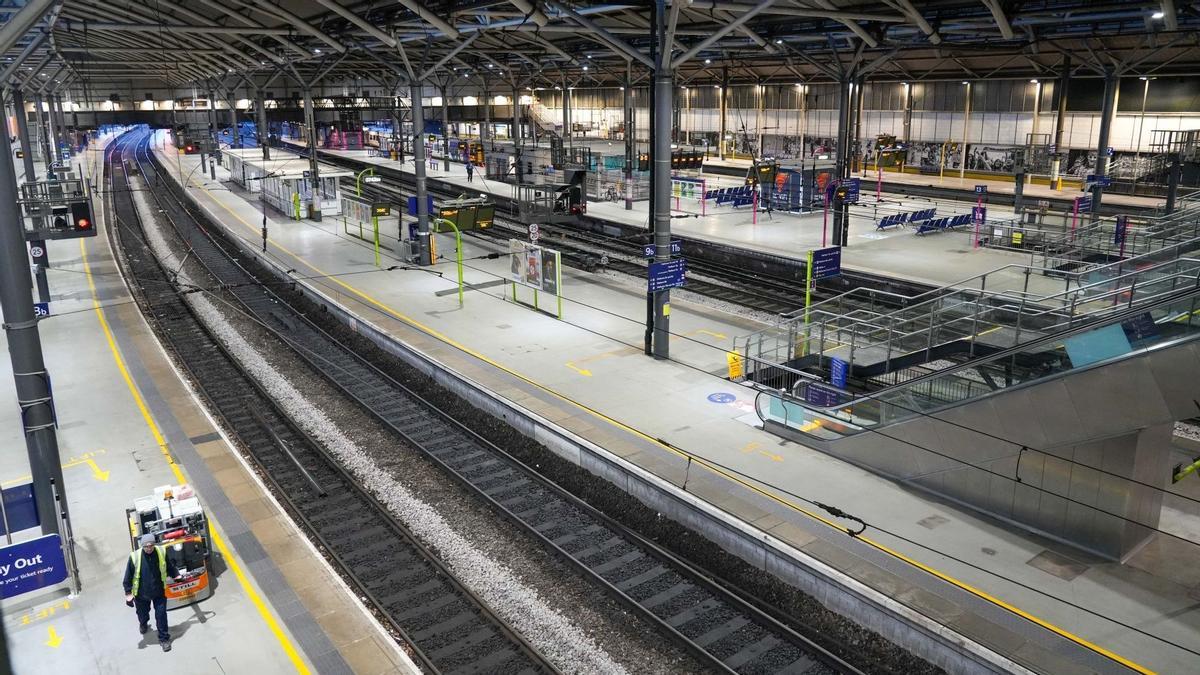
x: 738, y: 196
x: 910, y: 217
x: 944, y: 223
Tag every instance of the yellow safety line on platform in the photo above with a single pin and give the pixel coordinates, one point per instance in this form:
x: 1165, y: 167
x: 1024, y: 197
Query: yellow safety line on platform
x: 983, y: 595
x: 229, y: 558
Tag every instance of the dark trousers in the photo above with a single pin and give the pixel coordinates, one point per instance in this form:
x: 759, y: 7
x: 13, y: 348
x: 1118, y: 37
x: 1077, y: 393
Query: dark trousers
x: 160, y: 615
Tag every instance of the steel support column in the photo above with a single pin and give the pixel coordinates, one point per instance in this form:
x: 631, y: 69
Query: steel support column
x: 314, y: 176
x: 424, y: 251
x: 485, y: 131
x: 842, y: 164
x: 212, y: 119
x: 514, y: 134
x: 630, y: 126
x: 566, y: 113
x: 1112, y: 85
x: 661, y: 175
x: 723, y: 107
x: 962, y: 159
x: 235, y: 136
x: 30, y: 174
x: 445, y: 130
x: 43, y: 134
x: 264, y: 131
x: 1060, y: 117
x: 25, y: 352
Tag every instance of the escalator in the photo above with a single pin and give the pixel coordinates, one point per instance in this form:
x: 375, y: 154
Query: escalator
x: 1064, y: 430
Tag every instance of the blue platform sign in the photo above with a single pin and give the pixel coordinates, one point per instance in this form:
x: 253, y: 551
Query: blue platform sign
x: 820, y: 396
x: 853, y: 189
x: 20, y: 509
x: 649, y: 250
x: 827, y: 262
x: 664, y: 275
x: 1119, y: 230
x: 41, y: 310
x: 31, y: 565
x: 838, y: 370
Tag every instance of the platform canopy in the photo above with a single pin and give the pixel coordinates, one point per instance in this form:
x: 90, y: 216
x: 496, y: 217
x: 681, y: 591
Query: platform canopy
x: 104, y: 48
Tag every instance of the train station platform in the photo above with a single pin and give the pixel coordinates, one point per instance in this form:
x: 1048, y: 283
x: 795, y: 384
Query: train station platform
x: 1044, y: 606
x: 128, y: 423
x: 951, y: 179
x: 937, y: 259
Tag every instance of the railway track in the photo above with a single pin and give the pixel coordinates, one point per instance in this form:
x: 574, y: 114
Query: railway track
x: 447, y: 627
x: 720, y: 629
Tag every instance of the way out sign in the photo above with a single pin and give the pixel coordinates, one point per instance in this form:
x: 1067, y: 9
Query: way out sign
x: 31, y: 565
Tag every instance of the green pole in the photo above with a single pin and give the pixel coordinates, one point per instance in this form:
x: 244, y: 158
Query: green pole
x: 458, y: 255
x: 358, y: 179
x: 808, y: 282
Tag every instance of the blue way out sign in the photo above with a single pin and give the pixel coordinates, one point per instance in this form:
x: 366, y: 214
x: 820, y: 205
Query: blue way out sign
x: 30, y: 565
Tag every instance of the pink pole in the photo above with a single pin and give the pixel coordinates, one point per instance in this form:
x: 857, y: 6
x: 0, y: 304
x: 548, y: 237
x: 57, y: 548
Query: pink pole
x: 978, y: 205
x: 825, y: 223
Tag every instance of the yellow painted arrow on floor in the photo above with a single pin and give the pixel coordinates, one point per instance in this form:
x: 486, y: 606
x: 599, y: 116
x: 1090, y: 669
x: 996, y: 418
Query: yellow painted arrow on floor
x: 96, y: 472
x: 55, y: 639
x: 582, y: 371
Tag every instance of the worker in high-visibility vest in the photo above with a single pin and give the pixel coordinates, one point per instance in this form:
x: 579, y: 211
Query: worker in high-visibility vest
x: 146, y: 585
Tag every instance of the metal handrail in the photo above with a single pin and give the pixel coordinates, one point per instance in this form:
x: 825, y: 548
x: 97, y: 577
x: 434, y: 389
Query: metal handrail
x: 857, y: 402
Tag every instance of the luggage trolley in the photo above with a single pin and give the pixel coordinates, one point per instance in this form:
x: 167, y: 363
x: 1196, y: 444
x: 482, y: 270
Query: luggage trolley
x: 174, y: 516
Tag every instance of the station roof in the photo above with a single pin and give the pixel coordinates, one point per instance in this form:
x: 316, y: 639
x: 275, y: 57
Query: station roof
x: 115, y: 45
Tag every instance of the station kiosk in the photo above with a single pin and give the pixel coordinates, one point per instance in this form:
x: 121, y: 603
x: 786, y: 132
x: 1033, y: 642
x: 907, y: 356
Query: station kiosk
x: 174, y: 515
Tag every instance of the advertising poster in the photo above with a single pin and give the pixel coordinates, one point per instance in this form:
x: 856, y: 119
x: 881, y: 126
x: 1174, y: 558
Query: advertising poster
x: 533, y: 267
x: 550, y: 269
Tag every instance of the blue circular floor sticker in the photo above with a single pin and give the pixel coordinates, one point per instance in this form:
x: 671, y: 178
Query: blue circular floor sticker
x: 722, y: 397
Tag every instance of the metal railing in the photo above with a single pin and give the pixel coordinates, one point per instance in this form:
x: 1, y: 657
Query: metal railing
x: 965, y: 321
x: 1172, y: 318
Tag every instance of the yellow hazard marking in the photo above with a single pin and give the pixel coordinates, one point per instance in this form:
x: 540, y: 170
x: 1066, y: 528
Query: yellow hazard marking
x: 389, y: 311
x: 39, y: 614
x: 582, y: 371
x: 53, y: 638
x: 226, y: 555
x: 83, y: 460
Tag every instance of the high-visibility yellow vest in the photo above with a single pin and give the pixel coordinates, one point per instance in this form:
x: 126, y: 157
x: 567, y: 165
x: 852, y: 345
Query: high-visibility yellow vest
x: 136, y: 558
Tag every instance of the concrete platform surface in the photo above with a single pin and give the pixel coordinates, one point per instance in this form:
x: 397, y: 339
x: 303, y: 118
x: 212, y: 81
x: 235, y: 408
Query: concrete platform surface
x: 1045, y: 605
x: 941, y: 259
x: 127, y: 423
